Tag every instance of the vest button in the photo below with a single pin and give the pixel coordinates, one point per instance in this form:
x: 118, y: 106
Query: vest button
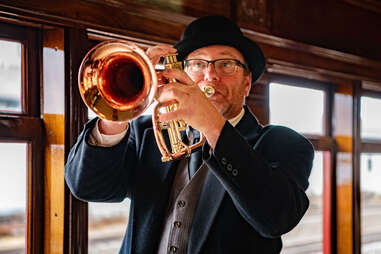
x: 177, y: 224
x: 173, y: 249
x: 181, y: 203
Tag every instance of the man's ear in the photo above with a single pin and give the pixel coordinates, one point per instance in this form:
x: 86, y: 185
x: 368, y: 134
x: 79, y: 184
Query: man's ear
x: 248, y: 79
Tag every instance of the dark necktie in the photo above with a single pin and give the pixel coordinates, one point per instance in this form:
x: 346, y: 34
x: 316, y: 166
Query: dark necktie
x: 195, y: 159
x: 195, y: 162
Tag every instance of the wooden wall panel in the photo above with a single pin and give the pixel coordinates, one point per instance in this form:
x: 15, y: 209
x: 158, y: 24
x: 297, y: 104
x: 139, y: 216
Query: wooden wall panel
x: 163, y: 19
x: 254, y: 14
x: 337, y: 24
x: 330, y: 24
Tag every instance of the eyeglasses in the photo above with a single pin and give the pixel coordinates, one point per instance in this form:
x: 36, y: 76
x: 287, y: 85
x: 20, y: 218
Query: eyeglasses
x: 222, y: 66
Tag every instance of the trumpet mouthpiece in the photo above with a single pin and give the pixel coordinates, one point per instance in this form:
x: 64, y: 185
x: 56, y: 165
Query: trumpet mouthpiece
x: 208, y: 91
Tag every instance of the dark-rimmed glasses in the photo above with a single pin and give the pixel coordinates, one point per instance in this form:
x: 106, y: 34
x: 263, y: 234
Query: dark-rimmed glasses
x: 222, y: 66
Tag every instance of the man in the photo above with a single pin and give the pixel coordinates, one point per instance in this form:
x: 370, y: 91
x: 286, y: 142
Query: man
x: 251, y: 186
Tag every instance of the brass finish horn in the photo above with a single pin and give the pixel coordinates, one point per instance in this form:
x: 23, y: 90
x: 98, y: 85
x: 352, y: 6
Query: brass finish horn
x: 118, y: 82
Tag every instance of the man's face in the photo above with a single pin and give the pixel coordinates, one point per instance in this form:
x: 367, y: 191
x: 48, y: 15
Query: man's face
x: 230, y: 89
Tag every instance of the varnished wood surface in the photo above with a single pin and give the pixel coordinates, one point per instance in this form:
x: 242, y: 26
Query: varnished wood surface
x: 76, y: 219
x: 329, y: 24
x: 343, y: 134
x: 336, y: 25
x: 53, y: 118
x: 54, y: 184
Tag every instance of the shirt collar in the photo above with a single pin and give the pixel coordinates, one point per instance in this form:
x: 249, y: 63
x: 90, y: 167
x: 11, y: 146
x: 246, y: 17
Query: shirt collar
x: 235, y: 120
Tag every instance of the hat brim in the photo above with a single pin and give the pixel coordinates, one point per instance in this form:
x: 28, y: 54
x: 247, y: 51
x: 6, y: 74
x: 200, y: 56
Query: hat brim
x: 250, y: 50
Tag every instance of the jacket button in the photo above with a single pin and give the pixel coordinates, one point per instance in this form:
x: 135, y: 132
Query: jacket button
x: 223, y: 161
x: 274, y: 164
x: 235, y: 172
x: 173, y: 249
x: 229, y: 167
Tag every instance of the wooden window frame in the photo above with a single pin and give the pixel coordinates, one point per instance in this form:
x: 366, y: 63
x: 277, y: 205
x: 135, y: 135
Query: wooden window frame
x: 27, y: 127
x: 366, y: 145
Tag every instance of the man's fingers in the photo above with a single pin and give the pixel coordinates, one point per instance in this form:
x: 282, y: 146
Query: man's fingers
x: 168, y: 92
x: 154, y: 53
x: 174, y: 115
x: 179, y: 75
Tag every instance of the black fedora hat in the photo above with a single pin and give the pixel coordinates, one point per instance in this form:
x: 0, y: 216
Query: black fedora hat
x: 219, y: 30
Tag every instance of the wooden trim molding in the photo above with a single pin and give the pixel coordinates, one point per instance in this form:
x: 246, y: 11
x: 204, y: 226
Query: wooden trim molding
x: 310, y: 49
x: 318, y: 73
x: 98, y: 35
x: 356, y: 168
x: 370, y: 5
x: 152, y: 19
x: 76, y: 216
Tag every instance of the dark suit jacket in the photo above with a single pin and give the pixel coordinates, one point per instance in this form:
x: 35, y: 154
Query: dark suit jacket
x: 254, y: 191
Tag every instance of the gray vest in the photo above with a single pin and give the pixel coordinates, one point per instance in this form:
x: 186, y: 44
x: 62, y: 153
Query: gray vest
x: 183, y: 200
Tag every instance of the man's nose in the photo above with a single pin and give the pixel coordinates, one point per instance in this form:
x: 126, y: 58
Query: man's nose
x: 210, y: 73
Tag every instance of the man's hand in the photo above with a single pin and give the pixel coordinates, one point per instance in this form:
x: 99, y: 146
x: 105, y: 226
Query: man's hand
x: 111, y: 128
x: 193, y: 106
x: 156, y: 52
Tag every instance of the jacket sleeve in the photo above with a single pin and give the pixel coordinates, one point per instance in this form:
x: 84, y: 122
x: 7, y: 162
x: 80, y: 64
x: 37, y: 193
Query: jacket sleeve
x: 266, y: 179
x: 101, y: 174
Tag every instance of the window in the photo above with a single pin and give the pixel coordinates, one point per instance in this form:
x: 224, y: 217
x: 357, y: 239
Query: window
x: 10, y: 76
x: 299, y: 108
x: 370, y: 118
x: 370, y: 172
x: 13, y: 172
x: 21, y: 144
x: 370, y: 177
x: 107, y: 225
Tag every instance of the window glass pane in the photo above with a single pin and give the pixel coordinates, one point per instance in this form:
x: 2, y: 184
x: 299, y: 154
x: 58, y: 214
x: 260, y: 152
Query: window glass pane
x: 10, y: 76
x: 370, y: 117
x: 370, y: 187
x: 13, y: 164
x: 299, y: 108
x: 107, y: 225
x: 307, y: 236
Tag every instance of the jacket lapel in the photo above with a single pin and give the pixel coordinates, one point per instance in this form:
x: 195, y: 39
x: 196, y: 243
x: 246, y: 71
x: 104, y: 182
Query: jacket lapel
x: 248, y: 126
x: 213, y: 192
x: 210, y: 199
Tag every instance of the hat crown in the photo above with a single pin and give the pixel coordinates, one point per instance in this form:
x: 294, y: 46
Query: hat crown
x: 211, y: 25
x: 219, y: 30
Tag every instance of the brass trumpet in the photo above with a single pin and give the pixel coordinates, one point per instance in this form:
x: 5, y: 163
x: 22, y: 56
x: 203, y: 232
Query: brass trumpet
x: 118, y: 82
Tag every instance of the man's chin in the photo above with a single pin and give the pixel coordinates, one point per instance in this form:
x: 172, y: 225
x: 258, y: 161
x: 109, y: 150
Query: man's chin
x: 219, y: 108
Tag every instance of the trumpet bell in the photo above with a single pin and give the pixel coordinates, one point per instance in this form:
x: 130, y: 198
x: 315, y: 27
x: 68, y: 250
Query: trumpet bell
x: 117, y: 80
